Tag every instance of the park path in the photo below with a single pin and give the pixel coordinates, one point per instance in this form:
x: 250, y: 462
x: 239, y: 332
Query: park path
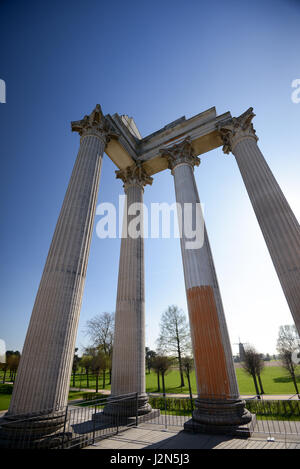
x: 271, y: 397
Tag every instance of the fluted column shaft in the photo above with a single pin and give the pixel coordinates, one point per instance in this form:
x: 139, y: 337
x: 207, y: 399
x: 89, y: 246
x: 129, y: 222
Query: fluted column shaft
x: 43, y: 377
x: 214, y: 367
x: 218, y: 400
x: 277, y: 221
x: 128, y: 364
x: 128, y: 370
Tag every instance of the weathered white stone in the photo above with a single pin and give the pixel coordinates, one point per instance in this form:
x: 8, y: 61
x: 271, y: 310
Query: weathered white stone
x: 131, y: 147
x: 128, y: 366
x: 198, y: 264
x: 213, y: 360
x: 43, y: 377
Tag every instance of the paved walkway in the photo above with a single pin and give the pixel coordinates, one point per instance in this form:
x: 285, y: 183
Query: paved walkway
x: 155, y: 437
x: 250, y: 396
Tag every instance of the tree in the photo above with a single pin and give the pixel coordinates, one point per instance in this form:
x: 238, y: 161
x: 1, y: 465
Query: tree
x: 259, y: 368
x: 75, y: 364
x: 188, y: 365
x: 11, y: 352
x: 150, y: 355
x: 252, y: 365
x: 4, y: 367
x: 162, y: 364
x: 288, y: 343
x: 104, y: 367
x: 86, y: 362
x: 156, y: 368
x: 98, y: 363
x: 13, y: 361
x: 100, y: 330
x: 174, y: 336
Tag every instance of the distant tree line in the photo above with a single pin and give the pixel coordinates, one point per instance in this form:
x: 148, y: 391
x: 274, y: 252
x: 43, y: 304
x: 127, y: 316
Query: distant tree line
x: 173, y: 352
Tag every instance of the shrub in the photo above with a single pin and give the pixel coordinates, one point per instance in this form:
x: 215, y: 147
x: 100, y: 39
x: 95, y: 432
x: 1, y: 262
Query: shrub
x: 284, y: 408
x: 6, y: 388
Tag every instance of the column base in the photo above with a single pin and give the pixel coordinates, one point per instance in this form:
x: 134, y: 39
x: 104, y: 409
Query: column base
x: 31, y: 430
x: 124, y: 407
x: 241, y: 431
x: 228, y: 416
x: 118, y: 420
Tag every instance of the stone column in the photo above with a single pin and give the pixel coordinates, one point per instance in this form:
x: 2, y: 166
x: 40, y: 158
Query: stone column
x: 128, y: 364
x: 218, y: 400
x: 278, y: 223
x: 43, y: 377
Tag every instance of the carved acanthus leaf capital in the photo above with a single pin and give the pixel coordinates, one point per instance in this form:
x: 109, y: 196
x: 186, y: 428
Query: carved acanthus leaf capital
x: 181, y: 153
x: 94, y: 124
x: 236, y: 129
x: 134, y: 175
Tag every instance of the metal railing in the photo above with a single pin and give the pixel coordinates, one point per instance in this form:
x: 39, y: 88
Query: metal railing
x: 272, y: 419
x: 84, y: 423
x: 277, y: 419
x: 74, y: 426
x: 174, y: 411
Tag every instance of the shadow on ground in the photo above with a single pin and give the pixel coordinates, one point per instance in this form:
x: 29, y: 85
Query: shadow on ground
x: 184, y: 440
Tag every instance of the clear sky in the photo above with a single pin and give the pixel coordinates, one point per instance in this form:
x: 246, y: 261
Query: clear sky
x: 154, y: 61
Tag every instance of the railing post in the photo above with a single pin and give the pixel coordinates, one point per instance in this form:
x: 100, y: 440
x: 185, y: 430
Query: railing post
x: 94, y: 424
x: 166, y: 425
x: 136, y: 410
x: 118, y: 414
x: 64, y: 430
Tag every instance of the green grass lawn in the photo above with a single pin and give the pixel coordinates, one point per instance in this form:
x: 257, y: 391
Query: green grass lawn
x: 275, y: 381
x: 274, y: 378
x: 4, y: 401
x: 81, y: 382
x: 6, y: 396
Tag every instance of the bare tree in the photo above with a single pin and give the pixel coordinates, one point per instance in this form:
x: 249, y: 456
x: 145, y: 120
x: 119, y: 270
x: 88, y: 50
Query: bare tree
x: 288, y: 343
x: 252, y: 365
x: 100, y: 330
x: 174, y: 336
x: 288, y: 338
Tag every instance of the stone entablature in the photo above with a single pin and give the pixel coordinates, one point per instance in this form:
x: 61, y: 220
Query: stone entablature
x: 127, y: 148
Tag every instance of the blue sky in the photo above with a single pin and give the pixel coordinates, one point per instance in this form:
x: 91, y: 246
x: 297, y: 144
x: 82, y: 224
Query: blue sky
x: 154, y: 61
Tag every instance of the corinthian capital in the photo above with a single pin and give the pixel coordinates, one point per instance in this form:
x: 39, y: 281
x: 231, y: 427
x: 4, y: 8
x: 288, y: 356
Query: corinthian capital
x: 181, y: 153
x: 94, y: 124
x: 236, y: 129
x: 134, y: 175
